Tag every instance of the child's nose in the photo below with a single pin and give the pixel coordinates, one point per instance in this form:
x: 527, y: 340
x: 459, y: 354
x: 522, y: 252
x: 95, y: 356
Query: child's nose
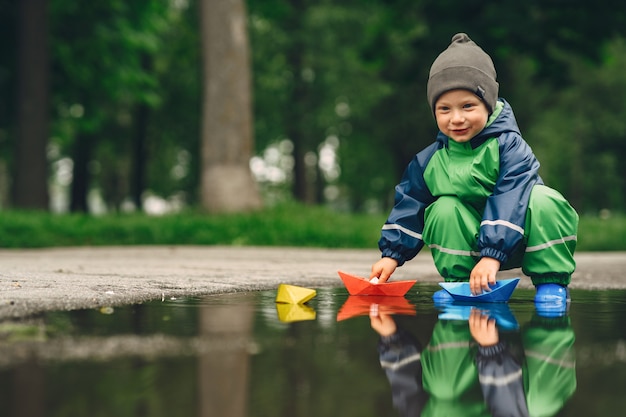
x: 457, y: 117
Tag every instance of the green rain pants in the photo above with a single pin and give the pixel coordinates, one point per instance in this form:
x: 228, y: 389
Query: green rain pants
x: 550, y: 374
x: 450, y: 375
x: 546, y: 255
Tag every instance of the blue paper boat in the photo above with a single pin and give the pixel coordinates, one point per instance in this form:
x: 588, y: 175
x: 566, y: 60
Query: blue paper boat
x: 500, y: 292
x: 500, y: 312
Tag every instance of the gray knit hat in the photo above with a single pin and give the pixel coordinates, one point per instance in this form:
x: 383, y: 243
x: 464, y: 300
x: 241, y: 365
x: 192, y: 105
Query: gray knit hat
x: 466, y: 66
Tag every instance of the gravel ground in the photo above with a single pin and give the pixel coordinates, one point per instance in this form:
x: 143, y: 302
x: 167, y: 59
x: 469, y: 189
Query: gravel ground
x: 33, y: 281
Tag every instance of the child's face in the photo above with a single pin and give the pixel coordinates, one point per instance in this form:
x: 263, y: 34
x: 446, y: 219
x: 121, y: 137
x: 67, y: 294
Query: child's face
x: 460, y: 115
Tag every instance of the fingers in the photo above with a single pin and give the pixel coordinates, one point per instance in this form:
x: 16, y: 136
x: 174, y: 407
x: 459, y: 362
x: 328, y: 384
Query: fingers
x: 475, y: 286
x: 483, y: 276
x: 376, y: 273
x: 483, y: 283
x: 475, y: 317
x: 478, y: 284
x: 481, y: 320
x: 376, y: 269
x: 382, y: 323
x: 384, y: 276
x: 483, y: 328
x: 383, y: 269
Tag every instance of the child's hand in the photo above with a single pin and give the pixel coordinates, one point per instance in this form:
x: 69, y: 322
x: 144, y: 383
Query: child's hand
x: 483, y: 328
x: 383, y: 324
x: 484, y: 274
x: 383, y: 269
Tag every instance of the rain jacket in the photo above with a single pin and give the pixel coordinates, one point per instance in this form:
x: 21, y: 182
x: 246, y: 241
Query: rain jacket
x: 400, y: 358
x: 494, y: 371
x: 534, y: 375
x: 494, y: 172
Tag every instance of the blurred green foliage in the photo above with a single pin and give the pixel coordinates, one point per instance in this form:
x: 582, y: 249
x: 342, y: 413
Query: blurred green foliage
x: 346, y: 75
x: 283, y: 225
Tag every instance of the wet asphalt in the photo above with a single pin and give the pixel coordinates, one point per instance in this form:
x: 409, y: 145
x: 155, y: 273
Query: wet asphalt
x: 39, y: 280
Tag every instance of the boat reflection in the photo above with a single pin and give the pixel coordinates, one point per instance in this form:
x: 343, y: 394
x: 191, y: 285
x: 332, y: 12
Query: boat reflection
x: 289, y: 313
x: 364, y: 305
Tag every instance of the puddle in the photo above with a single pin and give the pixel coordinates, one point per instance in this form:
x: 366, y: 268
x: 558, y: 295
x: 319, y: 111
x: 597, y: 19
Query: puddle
x: 238, y: 355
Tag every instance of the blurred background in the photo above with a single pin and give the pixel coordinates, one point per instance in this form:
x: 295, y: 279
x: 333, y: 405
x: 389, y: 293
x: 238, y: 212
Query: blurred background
x: 226, y: 105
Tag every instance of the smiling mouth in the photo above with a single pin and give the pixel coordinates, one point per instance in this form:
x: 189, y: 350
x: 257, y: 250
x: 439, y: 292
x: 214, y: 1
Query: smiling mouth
x: 460, y: 131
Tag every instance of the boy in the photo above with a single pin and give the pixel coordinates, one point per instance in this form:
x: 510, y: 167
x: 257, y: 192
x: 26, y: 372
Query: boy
x: 474, y: 196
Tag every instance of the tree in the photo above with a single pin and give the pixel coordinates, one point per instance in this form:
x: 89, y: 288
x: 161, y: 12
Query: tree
x: 104, y: 91
x: 315, y: 90
x: 226, y: 133
x: 581, y: 138
x: 127, y: 110
x: 30, y: 189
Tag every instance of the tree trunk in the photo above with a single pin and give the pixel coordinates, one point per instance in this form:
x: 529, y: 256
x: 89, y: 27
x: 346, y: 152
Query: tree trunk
x: 140, y: 138
x: 299, y: 130
x: 81, y: 155
x: 30, y: 188
x: 226, y: 133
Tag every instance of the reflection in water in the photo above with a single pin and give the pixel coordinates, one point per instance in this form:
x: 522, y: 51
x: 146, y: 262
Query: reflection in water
x: 223, y: 379
x: 135, y: 362
x: 29, y: 390
x: 289, y: 313
x: 364, y: 305
x: 474, y: 367
x: 233, y: 355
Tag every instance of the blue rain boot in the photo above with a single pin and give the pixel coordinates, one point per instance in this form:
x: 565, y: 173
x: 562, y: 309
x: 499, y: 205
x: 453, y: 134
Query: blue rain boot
x: 552, y: 300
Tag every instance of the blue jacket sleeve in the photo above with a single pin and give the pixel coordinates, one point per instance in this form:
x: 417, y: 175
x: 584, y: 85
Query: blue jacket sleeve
x: 401, y: 236
x: 502, y: 226
x: 501, y: 381
x: 400, y: 358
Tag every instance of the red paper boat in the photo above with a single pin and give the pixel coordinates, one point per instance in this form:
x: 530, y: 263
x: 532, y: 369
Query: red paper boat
x: 361, y: 286
x: 358, y: 305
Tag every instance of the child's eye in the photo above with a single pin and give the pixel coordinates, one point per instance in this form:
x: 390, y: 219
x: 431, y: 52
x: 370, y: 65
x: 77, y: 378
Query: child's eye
x: 468, y: 105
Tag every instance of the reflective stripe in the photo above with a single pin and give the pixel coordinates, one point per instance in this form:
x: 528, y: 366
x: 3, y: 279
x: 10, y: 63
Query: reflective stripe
x: 457, y: 252
x: 403, y: 230
x: 567, y: 361
x: 395, y: 365
x: 449, y: 345
x: 550, y: 243
x: 503, y: 223
x: 501, y: 381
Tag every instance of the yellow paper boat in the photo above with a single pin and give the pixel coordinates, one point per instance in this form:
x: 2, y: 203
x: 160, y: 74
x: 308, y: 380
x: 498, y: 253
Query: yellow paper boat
x: 292, y: 294
x: 288, y: 313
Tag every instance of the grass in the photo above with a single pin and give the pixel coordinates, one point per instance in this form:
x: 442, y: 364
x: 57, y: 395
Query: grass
x: 602, y: 234
x: 288, y: 225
